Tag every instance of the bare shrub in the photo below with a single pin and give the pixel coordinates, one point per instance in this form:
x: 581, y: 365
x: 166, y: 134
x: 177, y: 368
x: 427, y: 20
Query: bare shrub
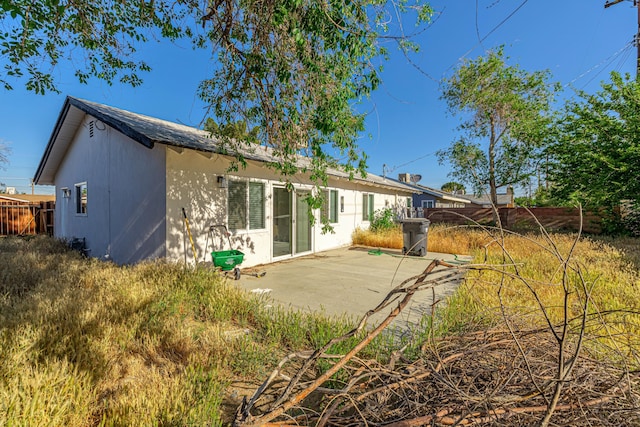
x: 552, y: 344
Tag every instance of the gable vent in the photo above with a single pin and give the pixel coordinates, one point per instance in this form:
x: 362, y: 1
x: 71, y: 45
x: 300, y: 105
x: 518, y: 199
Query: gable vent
x: 91, y: 129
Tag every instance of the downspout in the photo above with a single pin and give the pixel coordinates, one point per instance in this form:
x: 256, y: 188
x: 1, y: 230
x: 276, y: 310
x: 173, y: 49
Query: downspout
x: 355, y: 207
x: 109, y: 236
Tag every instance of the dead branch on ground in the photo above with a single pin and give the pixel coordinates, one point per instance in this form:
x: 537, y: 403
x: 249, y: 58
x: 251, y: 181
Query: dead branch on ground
x: 501, y: 376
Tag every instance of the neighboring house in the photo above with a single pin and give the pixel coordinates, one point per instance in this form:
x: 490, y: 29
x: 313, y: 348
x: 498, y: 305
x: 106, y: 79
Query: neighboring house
x: 427, y: 197
x: 26, y: 198
x: 123, y: 178
x: 505, y: 200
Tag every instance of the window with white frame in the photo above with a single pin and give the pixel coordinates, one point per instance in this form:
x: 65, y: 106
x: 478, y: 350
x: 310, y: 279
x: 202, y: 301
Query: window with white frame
x: 245, y: 205
x: 256, y: 206
x: 367, y: 207
x: 428, y: 203
x: 81, y: 198
x: 330, y: 206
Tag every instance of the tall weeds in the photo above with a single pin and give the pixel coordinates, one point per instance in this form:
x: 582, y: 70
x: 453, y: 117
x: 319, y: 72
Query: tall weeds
x: 544, y: 331
x: 83, y: 342
x: 441, y: 238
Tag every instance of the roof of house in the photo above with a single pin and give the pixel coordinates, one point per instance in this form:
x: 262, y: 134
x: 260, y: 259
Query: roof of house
x: 149, y: 131
x: 433, y: 192
x: 485, y: 199
x: 443, y: 194
x: 30, y: 198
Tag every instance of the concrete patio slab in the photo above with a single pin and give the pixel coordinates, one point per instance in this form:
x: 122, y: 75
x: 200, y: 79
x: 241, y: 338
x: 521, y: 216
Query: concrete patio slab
x: 349, y: 281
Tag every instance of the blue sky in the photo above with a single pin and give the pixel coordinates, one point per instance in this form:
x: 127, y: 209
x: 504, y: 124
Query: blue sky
x: 578, y: 41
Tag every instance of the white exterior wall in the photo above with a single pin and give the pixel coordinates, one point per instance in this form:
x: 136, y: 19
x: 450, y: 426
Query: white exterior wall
x: 191, y: 181
x: 125, y: 195
x: 192, y: 184
x: 351, y: 218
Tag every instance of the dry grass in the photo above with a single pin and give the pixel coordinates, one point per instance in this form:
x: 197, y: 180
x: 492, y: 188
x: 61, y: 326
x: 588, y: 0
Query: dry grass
x: 522, y: 268
x: 525, y: 286
x: 84, y: 342
x: 460, y: 240
x: 544, y: 331
x: 503, y: 364
x: 446, y: 239
x: 383, y: 239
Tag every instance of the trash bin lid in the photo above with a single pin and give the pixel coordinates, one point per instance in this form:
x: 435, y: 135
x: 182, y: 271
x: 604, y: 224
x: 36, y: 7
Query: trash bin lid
x: 415, y: 221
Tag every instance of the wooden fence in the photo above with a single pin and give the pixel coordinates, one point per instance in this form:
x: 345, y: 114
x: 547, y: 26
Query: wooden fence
x: 553, y: 219
x: 17, y: 218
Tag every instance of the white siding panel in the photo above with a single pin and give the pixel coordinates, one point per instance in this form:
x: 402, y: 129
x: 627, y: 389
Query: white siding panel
x: 192, y: 184
x: 125, y: 190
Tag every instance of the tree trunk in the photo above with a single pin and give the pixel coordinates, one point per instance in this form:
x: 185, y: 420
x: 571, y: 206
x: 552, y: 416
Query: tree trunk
x: 493, y: 192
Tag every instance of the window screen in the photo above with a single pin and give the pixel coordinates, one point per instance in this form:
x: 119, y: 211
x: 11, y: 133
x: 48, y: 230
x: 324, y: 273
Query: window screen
x: 367, y: 207
x: 330, y: 206
x: 237, y: 205
x: 256, y: 205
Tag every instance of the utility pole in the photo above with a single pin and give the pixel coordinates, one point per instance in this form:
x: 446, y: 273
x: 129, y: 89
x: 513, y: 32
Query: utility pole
x: 610, y: 3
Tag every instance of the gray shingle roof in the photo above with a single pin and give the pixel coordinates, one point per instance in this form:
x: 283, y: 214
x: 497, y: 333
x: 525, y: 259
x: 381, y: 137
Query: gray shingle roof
x: 485, y: 199
x: 149, y: 131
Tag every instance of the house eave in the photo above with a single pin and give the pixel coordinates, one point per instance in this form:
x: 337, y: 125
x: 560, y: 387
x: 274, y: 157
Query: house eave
x: 71, y: 116
x: 149, y: 131
x: 54, y: 152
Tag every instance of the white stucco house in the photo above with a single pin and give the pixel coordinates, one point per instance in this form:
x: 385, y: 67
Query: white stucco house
x: 122, y: 180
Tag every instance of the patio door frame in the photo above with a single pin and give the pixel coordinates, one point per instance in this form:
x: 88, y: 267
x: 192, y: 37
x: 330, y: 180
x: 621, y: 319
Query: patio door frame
x: 279, y: 219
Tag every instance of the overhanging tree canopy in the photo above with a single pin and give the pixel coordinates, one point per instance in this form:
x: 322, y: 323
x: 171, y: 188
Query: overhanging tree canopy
x: 292, y: 68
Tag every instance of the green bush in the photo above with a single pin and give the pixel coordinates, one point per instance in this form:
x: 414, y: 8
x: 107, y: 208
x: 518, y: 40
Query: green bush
x: 382, y: 220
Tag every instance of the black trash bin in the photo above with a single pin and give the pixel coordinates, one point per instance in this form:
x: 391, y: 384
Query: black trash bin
x: 415, y: 232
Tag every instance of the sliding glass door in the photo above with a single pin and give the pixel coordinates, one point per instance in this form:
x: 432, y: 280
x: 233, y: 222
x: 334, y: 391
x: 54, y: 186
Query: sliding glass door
x: 292, y: 232
x: 303, y: 224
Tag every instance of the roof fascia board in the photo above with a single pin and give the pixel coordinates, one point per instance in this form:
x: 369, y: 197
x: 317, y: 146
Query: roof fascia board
x: 54, y: 135
x: 455, y: 199
x: 113, y: 122
x: 13, y: 199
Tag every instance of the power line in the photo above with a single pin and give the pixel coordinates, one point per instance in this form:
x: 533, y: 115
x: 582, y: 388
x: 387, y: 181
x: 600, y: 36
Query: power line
x: 478, y: 27
x: 501, y: 23
x: 610, y: 3
x: 607, y: 60
x: 496, y: 27
x: 394, y: 168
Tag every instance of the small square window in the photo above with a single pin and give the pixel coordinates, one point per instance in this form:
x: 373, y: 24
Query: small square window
x: 246, y: 205
x: 428, y: 203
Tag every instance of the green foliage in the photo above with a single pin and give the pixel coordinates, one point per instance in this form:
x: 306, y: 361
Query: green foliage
x: 506, y: 120
x: 452, y: 187
x: 383, y: 219
x: 631, y: 219
x: 596, y: 158
x: 542, y: 197
x: 237, y: 130
x: 294, y: 69
x: 38, y: 35
x: 289, y: 70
